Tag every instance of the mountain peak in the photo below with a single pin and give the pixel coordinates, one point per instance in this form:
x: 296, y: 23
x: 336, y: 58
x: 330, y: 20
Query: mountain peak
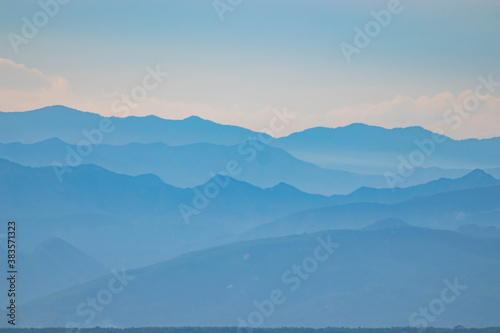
x: 61, y: 108
x: 223, y: 181
x: 478, y: 173
x: 283, y: 187
x: 195, y: 119
x: 53, y: 244
x: 53, y: 141
x: 479, y: 178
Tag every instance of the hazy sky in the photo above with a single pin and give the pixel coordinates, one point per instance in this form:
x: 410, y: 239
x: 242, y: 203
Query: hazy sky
x: 263, y: 55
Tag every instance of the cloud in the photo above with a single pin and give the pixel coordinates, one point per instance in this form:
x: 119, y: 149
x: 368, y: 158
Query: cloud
x: 19, y: 77
x: 23, y: 88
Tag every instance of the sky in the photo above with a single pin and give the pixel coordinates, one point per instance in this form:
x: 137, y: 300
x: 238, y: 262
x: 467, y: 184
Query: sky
x: 237, y: 61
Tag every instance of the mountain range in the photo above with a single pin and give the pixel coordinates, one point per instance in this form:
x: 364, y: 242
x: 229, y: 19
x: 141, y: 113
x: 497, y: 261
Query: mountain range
x: 355, y: 148
x: 71, y: 126
x: 194, y: 164
x: 144, y: 221
x: 447, y: 210
x: 371, y: 149
x: 104, y: 213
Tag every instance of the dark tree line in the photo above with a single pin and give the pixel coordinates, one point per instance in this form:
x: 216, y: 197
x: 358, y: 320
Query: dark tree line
x: 255, y: 330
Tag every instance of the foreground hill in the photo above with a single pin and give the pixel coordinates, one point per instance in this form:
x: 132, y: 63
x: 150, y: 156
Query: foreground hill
x: 56, y: 265
x: 53, y: 265
x: 368, y: 278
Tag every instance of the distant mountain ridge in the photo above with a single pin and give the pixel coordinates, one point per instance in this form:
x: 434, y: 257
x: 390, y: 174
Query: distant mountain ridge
x: 194, y: 164
x: 100, y: 212
x: 446, y: 210
x: 355, y: 148
x: 67, y: 124
x: 474, y: 179
x: 370, y: 149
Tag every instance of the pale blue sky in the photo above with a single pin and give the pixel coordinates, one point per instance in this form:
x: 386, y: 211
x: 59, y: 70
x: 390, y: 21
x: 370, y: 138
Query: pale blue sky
x: 264, y: 53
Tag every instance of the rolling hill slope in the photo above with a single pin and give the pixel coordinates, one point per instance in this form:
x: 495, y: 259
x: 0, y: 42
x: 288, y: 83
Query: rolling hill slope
x: 375, y: 278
